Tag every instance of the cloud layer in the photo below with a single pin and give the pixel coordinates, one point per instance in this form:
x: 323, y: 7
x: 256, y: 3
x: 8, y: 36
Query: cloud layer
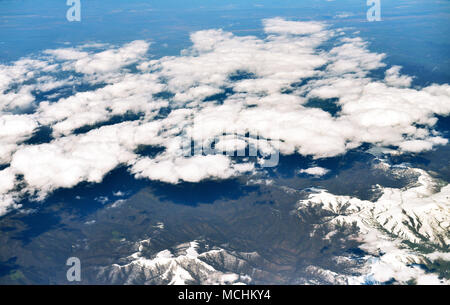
x: 102, y: 103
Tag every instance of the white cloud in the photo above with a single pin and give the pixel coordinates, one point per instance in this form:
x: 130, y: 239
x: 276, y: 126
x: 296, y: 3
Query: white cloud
x: 106, y: 61
x: 132, y: 94
x: 343, y: 15
x: 258, y: 74
x: 192, y: 169
x: 352, y: 56
x: 282, y: 26
x: 394, y: 78
x: 14, y: 129
x: 7, y: 183
x: 67, y: 161
x: 315, y: 171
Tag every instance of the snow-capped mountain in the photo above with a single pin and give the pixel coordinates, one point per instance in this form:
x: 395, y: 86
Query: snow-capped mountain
x: 403, y: 231
x: 188, y: 263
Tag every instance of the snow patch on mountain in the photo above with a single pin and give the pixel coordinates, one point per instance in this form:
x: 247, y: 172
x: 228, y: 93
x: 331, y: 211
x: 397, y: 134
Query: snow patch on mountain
x: 188, y: 263
x: 401, y: 231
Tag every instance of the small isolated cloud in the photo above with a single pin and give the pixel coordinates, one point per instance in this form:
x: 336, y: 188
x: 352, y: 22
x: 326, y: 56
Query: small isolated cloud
x: 314, y: 171
x: 282, y: 26
x: 344, y: 15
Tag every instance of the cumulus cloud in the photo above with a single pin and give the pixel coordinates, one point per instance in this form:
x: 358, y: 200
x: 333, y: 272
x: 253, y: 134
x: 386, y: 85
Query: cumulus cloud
x: 106, y: 61
x: 394, y: 78
x: 314, y: 171
x: 224, y: 86
x: 20, y: 96
x: 67, y: 161
x: 7, y: 183
x: 193, y: 169
x: 13, y: 130
x: 132, y: 94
